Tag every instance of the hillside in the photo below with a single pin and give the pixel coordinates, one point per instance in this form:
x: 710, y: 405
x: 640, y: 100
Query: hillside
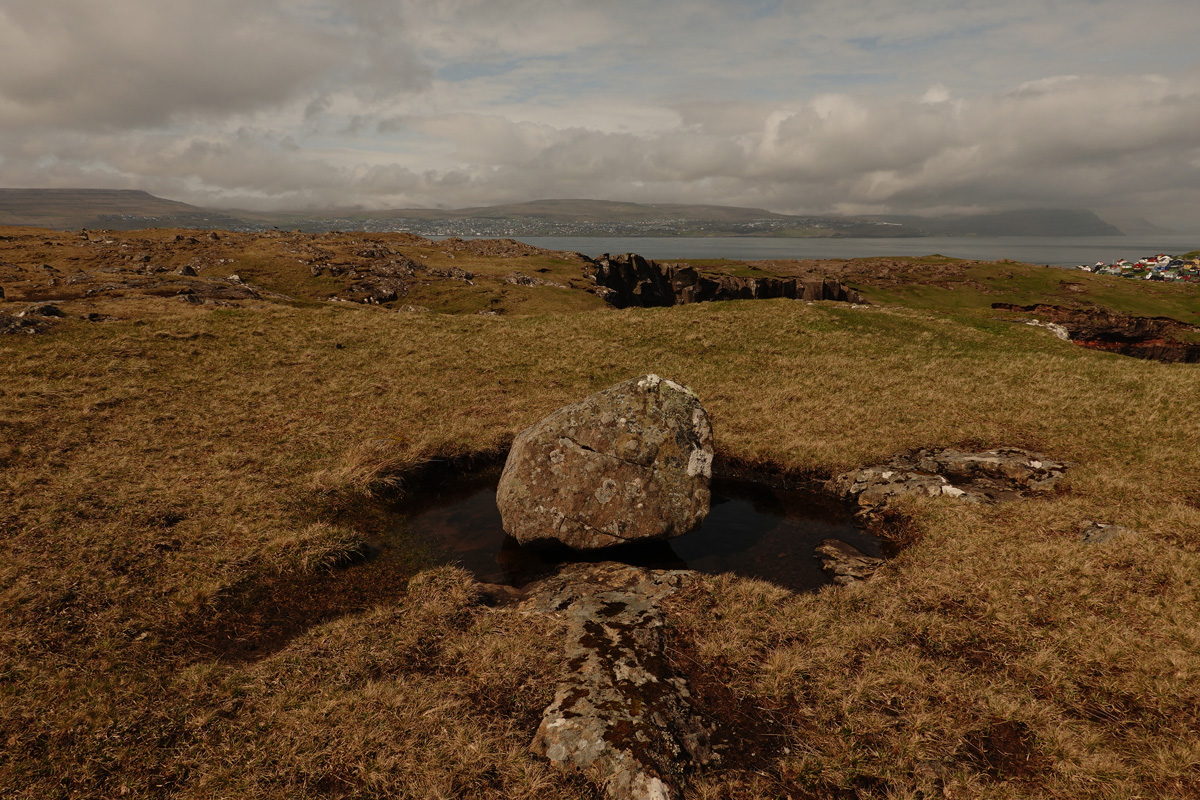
x: 67, y: 209
x: 116, y: 209
x: 213, y: 446
x: 1024, y: 222
x: 575, y: 210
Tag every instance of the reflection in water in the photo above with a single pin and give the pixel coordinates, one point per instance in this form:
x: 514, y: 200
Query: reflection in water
x: 751, y: 530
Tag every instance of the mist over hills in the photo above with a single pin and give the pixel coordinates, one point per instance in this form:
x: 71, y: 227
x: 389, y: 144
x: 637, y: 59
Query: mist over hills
x: 129, y: 209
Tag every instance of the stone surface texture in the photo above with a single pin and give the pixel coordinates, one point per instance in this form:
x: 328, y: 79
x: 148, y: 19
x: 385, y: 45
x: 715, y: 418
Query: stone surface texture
x: 989, y: 476
x: 844, y: 563
x: 621, y: 714
x: 630, y: 462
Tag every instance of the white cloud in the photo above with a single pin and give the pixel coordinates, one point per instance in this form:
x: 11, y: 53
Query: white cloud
x: 848, y: 104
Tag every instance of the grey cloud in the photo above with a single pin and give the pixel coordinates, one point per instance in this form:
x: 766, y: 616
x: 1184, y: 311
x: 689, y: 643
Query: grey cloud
x: 800, y: 107
x: 81, y: 64
x: 1062, y: 141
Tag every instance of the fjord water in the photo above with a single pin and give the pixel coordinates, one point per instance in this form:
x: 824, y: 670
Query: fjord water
x: 752, y: 530
x: 1066, y: 251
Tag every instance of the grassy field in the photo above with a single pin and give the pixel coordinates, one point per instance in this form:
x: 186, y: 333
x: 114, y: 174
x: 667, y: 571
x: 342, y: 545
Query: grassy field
x: 186, y: 495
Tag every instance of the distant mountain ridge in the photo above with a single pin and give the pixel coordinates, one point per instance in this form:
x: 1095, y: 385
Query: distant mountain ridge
x: 128, y: 209
x: 119, y: 209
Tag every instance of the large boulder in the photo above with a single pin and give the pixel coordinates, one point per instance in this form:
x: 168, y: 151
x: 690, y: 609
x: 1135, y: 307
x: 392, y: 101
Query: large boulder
x: 630, y: 462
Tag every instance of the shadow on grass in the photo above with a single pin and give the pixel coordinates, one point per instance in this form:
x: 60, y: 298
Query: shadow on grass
x: 764, y: 524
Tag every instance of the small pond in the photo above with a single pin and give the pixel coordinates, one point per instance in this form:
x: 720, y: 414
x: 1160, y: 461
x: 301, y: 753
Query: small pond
x: 752, y: 530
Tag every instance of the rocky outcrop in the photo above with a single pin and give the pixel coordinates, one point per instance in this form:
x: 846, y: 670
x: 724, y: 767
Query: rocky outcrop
x: 630, y: 462
x: 1153, y: 338
x: 521, y: 279
x: 990, y: 476
x: 630, y: 280
x: 385, y: 278
x: 42, y: 310
x: 621, y: 714
x: 13, y: 323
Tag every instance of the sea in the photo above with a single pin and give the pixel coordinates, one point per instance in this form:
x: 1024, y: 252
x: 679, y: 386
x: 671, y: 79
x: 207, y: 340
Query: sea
x: 1055, y: 251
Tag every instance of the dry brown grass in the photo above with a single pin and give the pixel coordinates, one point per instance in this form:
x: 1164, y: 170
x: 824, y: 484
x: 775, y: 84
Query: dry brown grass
x: 180, y: 481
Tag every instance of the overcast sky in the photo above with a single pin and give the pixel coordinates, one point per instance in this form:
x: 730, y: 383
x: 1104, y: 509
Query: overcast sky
x: 850, y: 106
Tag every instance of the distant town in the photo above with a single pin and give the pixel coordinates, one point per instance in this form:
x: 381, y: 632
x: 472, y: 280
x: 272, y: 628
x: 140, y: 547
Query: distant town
x: 499, y: 227
x: 1160, y: 267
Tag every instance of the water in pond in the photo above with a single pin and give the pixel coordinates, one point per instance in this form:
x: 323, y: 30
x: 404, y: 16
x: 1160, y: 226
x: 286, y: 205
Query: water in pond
x: 751, y: 530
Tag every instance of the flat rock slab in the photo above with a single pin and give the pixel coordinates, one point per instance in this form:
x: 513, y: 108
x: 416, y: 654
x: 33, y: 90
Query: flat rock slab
x: 844, y: 563
x: 630, y: 462
x: 989, y: 476
x: 621, y: 715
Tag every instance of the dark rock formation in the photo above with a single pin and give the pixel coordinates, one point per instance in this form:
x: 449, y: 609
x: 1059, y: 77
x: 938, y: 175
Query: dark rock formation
x: 1153, y: 338
x: 620, y: 714
x: 630, y: 462
x: 42, y: 310
x: 993, y: 475
x: 630, y: 280
x: 844, y: 563
x: 10, y: 323
x: 381, y: 281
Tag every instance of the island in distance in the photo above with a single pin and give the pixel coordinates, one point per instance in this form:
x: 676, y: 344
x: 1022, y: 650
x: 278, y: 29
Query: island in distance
x: 128, y: 209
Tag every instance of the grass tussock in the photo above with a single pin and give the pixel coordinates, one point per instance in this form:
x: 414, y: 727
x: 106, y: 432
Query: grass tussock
x: 377, y: 467
x: 184, y: 501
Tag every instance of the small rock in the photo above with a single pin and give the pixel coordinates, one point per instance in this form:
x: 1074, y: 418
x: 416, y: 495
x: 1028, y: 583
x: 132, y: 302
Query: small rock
x: 1101, y: 532
x: 521, y: 279
x: 844, y: 563
x: 186, y: 270
x: 1058, y: 330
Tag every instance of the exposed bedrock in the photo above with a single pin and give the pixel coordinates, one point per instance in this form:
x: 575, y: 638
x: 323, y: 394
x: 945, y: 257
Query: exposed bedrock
x: 621, y: 714
x: 630, y: 280
x: 993, y: 475
x: 630, y: 462
x: 1152, y: 338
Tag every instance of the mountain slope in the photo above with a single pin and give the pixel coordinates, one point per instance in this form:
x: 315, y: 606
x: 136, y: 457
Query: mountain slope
x: 121, y: 209
x: 1022, y: 222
